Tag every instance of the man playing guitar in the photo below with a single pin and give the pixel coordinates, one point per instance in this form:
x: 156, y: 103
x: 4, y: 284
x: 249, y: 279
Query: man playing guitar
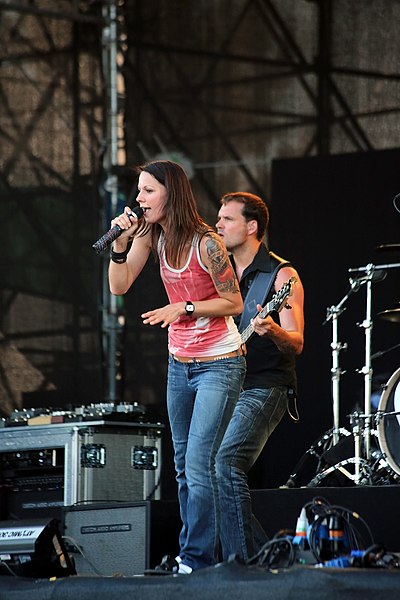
x: 274, y: 342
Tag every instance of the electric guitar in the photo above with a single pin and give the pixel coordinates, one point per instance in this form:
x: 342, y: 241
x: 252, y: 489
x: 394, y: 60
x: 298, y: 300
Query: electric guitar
x: 277, y: 302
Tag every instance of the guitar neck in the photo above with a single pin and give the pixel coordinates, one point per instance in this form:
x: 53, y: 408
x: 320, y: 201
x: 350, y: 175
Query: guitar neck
x: 277, y: 303
x: 248, y: 332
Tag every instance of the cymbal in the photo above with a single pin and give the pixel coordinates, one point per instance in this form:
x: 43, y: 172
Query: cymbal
x: 392, y: 314
x: 386, y: 247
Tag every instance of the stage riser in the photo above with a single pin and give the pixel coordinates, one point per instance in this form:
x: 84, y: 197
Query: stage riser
x: 130, y: 537
x: 154, y: 526
x: 379, y: 506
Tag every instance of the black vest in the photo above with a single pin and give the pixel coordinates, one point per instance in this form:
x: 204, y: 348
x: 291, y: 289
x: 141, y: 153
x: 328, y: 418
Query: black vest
x: 266, y: 365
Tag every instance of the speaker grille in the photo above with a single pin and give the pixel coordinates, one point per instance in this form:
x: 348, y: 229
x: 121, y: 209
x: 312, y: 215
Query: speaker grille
x: 112, y: 539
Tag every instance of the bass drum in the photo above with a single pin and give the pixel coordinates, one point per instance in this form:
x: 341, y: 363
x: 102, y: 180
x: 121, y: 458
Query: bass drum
x: 389, y: 422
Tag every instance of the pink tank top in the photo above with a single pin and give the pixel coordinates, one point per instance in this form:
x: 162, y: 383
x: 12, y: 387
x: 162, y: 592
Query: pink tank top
x: 191, y: 336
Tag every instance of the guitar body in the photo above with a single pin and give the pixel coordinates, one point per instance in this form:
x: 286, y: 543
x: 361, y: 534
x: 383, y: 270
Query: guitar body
x: 276, y: 304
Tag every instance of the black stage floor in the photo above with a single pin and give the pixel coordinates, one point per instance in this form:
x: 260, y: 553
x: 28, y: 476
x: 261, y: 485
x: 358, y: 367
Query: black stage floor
x: 230, y: 581
x: 276, y: 510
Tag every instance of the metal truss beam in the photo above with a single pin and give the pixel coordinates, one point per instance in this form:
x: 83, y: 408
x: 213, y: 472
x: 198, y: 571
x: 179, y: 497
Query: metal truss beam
x: 331, y: 106
x: 30, y: 9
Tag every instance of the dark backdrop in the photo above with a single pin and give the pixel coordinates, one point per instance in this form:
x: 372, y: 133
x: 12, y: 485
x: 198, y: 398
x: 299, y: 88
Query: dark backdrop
x: 330, y: 214
x: 327, y: 215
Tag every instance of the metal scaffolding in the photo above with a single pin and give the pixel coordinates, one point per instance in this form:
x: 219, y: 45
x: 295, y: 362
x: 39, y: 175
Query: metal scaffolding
x: 50, y: 135
x: 225, y: 86
x: 114, y: 157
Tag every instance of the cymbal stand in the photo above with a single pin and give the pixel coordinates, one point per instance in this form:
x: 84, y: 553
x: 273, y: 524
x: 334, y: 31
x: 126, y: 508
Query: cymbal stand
x: 367, y: 275
x: 333, y: 313
x: 355, y: 422
x: 367, y: 368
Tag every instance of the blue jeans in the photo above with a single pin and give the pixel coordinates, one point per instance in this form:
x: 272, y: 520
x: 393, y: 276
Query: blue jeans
x: 201, y: 398
x: 256, y: 415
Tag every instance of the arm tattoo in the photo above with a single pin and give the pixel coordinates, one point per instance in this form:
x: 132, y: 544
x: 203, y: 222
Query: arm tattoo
x: 222, y: 272
x: 285, y: 346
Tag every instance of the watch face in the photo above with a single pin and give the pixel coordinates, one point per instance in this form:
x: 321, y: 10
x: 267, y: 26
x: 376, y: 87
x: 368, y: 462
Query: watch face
x: 189, y: 308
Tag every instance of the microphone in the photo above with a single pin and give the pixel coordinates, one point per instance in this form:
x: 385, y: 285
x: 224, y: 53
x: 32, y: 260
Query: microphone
x: 115, y: 232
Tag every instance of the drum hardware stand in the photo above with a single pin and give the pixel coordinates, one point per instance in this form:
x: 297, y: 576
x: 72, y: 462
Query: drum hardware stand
x: 370, y: 273
x: 359, y: 434
x: 315, y: 452
x: 355, y: 422
x: 363, y: 467
x: 367, y: 368
x: 333, y: 313
x: 363, y: 472
x: 380, y: 414
x: 383, y: 352
x: 339, y: 467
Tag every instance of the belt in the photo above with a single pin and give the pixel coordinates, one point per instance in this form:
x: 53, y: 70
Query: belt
x: 200, y: 359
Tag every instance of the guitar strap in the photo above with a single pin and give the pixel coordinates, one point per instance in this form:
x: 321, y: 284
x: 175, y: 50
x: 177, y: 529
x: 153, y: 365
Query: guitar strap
x: 259, y: 289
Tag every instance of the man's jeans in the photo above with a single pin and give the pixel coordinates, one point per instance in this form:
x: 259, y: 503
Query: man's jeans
x: 256, y: 415
x: 201, y: 398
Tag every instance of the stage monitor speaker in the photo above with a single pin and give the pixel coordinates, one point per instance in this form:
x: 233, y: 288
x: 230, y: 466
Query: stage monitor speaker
x: 121, y: 538
x: 33, y: 549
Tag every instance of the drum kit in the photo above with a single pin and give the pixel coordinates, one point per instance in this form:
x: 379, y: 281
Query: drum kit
x: 368, y: 453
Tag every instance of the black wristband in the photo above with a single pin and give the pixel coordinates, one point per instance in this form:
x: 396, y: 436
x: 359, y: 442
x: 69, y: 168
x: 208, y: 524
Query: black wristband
x: 120, y: 257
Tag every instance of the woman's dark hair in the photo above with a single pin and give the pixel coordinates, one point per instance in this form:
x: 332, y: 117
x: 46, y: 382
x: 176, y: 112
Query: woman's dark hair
x: 182, y: 217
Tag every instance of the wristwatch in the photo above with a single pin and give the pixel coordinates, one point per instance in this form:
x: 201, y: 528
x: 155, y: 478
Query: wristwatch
x: 189, y: 308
